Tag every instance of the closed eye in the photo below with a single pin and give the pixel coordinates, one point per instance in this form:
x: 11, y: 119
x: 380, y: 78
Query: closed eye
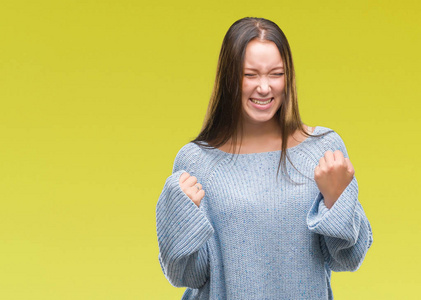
x: 249, y: 75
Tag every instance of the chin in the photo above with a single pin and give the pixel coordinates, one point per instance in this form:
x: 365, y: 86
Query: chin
x: 259, y: 120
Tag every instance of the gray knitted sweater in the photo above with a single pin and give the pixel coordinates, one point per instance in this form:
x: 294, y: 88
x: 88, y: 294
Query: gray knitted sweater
x: 256, y: 237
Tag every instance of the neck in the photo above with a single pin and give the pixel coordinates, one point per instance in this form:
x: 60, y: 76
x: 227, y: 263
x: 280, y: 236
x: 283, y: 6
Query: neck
x: 257, y: 132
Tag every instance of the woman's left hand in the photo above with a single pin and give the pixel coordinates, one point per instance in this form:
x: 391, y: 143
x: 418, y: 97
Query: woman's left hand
x: 333, y: 174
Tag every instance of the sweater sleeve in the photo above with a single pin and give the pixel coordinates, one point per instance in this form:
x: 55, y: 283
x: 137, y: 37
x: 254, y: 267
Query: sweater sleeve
x: 182, y: 228
x: 345, y: 232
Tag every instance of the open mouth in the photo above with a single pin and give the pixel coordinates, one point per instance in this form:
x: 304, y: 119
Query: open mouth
x: 260, y: 102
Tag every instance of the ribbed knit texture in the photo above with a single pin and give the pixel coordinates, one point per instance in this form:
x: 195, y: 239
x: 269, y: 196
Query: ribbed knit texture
x: 255, y: 236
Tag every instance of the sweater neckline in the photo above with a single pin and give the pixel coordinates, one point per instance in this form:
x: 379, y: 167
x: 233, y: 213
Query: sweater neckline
x: 315, y: 131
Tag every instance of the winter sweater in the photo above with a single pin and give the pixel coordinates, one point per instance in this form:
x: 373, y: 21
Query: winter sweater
x: 254, y: 236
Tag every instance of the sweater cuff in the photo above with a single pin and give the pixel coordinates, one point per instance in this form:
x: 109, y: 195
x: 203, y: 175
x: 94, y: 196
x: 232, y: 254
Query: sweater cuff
x: 183, y: 227
x: 339, y: 220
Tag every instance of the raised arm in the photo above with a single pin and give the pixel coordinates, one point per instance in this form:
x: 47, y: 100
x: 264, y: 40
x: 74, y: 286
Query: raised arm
x: 182, y: 228
x: 345, y: 232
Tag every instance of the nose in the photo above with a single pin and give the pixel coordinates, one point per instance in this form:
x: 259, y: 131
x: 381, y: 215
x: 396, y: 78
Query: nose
x: 263, y: 87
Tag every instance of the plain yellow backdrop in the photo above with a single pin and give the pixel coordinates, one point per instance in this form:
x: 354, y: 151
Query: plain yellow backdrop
x: 97, y: 97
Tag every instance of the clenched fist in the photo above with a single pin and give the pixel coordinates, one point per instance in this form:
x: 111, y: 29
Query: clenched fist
x: 333, y: 174
x: 191, y: 188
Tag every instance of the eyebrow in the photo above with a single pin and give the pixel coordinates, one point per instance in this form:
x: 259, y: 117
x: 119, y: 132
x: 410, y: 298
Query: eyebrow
x: 280, y: 67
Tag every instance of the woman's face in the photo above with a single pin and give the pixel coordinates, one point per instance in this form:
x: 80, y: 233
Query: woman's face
x: 263, y: 82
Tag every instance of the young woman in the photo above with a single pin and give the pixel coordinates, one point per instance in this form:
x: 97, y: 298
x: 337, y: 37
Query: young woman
x: 232, y: 228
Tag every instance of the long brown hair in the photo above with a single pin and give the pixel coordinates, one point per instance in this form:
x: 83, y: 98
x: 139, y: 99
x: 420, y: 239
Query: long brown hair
x: 223, y: 118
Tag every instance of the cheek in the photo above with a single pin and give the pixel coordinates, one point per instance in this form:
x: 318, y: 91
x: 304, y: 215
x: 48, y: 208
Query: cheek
x: 246, y: 87
x: 280, y: 87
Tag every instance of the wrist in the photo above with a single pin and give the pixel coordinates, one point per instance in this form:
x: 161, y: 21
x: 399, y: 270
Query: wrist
x: 329, y: 202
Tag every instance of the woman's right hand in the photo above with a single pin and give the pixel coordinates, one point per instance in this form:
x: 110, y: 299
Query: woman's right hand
x: 191, y: 188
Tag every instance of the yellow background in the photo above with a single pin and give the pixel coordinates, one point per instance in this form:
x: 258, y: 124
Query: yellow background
x: 97, y: 97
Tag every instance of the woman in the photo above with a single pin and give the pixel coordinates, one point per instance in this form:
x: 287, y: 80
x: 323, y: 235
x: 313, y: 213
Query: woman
x: 234, y: 229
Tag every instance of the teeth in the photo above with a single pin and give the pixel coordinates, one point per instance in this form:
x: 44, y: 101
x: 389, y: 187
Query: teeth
x: 261, y: 102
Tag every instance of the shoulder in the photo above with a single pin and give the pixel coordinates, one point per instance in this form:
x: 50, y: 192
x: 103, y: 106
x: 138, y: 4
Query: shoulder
x: 198, y: 160
x: 330, y: 139
x: 187, y: 157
